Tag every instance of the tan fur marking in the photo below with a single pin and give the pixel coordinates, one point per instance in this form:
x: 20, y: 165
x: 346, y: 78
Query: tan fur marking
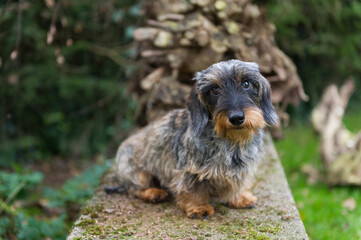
x: 195, y: 204
x: 244, y: 200
x: 239, y: 76
x: 214, y: 77
x: 178, y: 119
x: 144, y: 178
x: 153, y: 195
x: 239, y: 135
x: 253, y: 120
x: 222, y: 124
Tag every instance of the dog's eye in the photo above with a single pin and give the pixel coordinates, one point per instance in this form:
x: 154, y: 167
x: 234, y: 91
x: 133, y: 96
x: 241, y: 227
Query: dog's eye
x: 215, y: 90
x: 246, y: 84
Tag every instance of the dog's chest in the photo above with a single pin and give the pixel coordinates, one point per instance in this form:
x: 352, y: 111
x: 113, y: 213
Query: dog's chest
x: 219, y: 152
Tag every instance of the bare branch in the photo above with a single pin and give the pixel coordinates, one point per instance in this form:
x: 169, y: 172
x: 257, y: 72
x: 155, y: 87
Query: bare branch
x: 52, y: 28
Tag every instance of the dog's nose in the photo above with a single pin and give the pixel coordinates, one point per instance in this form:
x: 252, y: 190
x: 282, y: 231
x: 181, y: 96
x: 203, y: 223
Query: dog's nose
x: 236, y: 118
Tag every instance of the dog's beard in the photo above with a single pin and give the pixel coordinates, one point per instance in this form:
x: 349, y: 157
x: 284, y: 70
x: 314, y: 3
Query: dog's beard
x: 253, y: 121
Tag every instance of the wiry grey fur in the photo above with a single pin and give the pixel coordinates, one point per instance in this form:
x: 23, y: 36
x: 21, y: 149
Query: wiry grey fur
x: 182, y: 150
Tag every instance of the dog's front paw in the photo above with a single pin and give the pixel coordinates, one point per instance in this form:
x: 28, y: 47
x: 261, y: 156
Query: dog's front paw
x: 153, y: 195
x: 199, y: 211
x: 244, y: 200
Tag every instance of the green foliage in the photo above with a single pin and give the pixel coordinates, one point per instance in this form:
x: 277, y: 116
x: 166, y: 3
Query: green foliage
x: 30, y: 223
x: 76, y: 190
x: 10, y: 181
x: 31, y: 228
x: 321, y: 207
x: 67, y: 96
x: 63, y: 93
x: 322, y: 38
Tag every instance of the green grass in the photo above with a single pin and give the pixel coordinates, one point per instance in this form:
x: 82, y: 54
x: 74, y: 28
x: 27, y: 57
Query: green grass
x: 320, y: 206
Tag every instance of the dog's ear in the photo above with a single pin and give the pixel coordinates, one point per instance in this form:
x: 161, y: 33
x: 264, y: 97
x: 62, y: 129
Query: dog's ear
x: 198, y: 111
x: 266, y: 106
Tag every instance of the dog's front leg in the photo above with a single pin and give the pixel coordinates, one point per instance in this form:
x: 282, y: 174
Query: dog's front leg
x: 195, y: 204
x: 243, y: 200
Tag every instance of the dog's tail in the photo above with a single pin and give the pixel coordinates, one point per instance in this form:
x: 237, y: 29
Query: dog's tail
x: 114, y: 189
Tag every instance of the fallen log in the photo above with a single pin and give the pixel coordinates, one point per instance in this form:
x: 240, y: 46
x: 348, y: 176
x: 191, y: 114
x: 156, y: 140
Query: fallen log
x: 340, y: 149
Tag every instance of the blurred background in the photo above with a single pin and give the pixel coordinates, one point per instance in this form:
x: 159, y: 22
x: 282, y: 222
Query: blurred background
x: 67, y: 99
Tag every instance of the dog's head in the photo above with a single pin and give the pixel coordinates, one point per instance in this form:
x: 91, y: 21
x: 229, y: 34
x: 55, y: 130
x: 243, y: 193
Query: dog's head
x: 235, y: 96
